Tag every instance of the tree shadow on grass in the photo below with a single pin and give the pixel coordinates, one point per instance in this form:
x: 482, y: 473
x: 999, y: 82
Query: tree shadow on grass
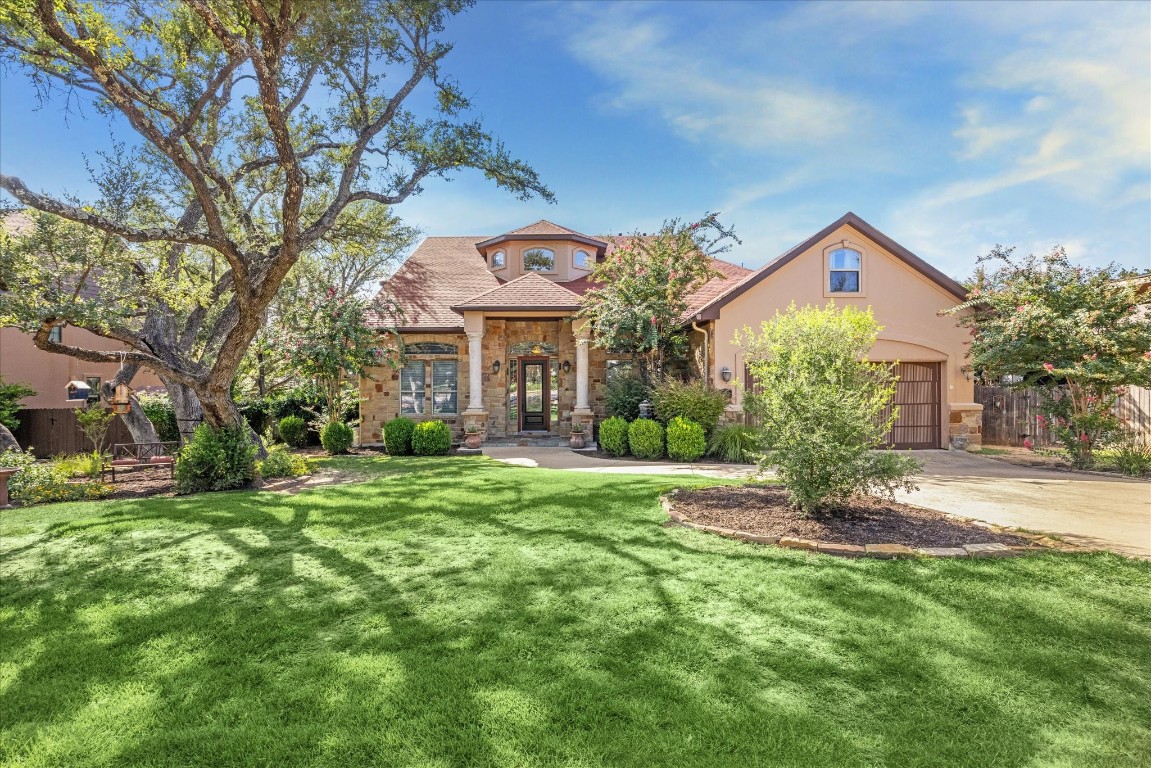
x: 471, y: 614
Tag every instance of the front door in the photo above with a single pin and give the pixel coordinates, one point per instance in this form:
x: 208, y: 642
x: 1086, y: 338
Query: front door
x: 534, y: 396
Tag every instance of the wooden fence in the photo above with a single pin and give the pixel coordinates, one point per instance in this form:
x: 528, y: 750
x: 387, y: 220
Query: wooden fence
x: 52, y: 431
x: 1010, y: 415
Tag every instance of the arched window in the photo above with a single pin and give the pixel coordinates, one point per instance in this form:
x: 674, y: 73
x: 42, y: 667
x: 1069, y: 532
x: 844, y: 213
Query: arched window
x: 498, y: 260
x: 431, y: 348
x: 540, y: 260
x: 843, y: 269
x: 582, y: 260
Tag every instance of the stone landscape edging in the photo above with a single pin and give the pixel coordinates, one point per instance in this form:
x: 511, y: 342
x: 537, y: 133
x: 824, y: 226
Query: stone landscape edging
x: 883, y: 551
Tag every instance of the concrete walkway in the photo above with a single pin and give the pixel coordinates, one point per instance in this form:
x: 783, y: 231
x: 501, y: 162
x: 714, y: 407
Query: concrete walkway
x: 1087, y: 509
x: 565, y: 458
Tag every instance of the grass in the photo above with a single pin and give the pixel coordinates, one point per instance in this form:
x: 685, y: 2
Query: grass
x: 459, y: 612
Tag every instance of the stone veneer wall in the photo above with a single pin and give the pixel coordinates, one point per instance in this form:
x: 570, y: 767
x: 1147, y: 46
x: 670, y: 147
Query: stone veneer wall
x: 380, y: 401
x: 967, y: 422
x: 380, y: 394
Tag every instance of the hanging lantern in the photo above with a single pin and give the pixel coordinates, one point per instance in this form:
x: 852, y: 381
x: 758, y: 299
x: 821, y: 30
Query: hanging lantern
x: 122, y: 399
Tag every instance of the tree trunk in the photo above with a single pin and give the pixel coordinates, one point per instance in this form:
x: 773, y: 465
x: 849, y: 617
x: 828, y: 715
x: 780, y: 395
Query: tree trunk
x: 186, y: 406
x: 7, y: 441
x: 220, y: 411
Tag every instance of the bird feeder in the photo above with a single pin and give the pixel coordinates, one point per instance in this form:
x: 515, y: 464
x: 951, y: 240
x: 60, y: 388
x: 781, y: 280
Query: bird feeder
x: 122, y: 399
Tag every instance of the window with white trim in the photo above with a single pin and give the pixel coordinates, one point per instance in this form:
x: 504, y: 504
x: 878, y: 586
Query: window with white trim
x: 582, y: 259
x: 843, y: 269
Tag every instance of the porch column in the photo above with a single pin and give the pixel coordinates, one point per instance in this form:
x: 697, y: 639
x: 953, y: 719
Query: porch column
x: 582, y: 406
x: 475, y: 372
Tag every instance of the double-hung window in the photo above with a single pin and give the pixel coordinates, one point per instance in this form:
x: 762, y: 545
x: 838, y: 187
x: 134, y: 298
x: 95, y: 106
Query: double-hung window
x: 413, y: 378
x: 445, y: 383
x: 439, y: 378
x: 843, y: 270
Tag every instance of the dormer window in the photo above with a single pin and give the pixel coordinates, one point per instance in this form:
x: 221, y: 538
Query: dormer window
x: 843, y: 270
x: 540, y: 260
x: 582, y: 260
x: 498, y: 260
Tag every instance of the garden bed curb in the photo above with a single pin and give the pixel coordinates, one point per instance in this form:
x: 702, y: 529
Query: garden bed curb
x: 882, y: 551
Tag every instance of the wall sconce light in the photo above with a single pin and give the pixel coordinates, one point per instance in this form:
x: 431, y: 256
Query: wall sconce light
x: 725, y: 373
x: 496, y: 367
x: 567, y: 366
x: 966, y: 370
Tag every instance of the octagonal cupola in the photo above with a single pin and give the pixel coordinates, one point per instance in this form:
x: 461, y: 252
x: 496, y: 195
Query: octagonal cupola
x: 556, y: 253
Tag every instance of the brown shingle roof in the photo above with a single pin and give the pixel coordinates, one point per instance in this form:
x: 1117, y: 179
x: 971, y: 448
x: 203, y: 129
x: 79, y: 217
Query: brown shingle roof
x: 544, y: 227
x: 531, y: 291
x: 441, y: 272
x: 446, y: 274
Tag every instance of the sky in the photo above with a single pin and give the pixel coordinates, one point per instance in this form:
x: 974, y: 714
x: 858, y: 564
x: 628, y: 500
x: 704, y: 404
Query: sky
x: 951, y: 127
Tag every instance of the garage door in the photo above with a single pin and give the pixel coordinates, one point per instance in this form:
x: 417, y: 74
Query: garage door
x: 917, y: 394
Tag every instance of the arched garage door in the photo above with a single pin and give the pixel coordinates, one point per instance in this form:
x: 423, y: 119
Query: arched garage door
x: 917, y: 393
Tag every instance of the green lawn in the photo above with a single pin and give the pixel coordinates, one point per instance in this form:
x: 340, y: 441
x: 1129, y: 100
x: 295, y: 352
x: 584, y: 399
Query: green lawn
x: 459, y: 612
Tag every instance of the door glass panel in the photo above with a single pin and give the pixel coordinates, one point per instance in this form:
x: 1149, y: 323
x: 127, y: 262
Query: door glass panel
x: 533, y: 388
x: 513, y: 391
x: 554, y: 391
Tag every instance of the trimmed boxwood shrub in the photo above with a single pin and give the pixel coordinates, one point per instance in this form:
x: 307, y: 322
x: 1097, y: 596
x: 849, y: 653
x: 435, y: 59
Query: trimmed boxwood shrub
x: 216, y: 460
x: 613, y: 436
x: 336, y: 437
x: 398, y: 436
x: 685, y: 440
x: 431, y: 438
x: 293, y: 431
x: 645, y: 438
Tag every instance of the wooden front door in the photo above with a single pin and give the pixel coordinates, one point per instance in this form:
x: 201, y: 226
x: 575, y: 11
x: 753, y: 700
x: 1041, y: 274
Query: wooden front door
x: 534, y: 394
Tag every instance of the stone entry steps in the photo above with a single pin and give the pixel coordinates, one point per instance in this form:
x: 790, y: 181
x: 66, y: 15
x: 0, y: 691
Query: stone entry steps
x: 515, y: 441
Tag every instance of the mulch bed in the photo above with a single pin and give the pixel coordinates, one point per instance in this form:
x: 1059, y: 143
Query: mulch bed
x: 765, y: 511
x: 139, y: 483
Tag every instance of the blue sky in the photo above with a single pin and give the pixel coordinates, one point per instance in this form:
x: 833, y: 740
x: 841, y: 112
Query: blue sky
x: 951, y: 127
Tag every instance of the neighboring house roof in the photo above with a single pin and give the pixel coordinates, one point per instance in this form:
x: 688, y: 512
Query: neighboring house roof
x: 446, y: 276
x: 527, y: 292
x: 16, y: 222
x: 710, y: 310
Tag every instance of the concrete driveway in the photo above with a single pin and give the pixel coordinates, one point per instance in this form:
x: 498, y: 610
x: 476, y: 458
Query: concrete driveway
x: 1082, y: 508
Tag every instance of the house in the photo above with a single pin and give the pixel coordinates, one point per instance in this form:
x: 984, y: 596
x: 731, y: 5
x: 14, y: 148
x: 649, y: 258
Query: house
x: 491, y: 338
x: 61, y: 382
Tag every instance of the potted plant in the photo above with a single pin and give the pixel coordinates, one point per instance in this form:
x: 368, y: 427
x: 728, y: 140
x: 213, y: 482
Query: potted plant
x: 577, y: 435
x: 473, y: 436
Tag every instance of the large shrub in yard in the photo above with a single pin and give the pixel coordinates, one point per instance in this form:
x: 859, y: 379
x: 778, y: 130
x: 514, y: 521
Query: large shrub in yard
x: 685, y: 440
x: 822, y: 408
x: 216, y: 460
x: 622, y: 396
x: 398, y: 436
x: 281, y: 463
x: 645, y: 439
x: 613, y: 436
x: 336, y: 437
x: 293, y: 431
x: 431, y: 438
x: 703, y: 404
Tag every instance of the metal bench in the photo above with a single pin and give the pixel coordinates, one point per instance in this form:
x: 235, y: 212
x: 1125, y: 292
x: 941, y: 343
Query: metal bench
x: 143, y: 455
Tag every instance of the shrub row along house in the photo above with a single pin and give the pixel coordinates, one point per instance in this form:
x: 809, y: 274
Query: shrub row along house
x: 489, y: 327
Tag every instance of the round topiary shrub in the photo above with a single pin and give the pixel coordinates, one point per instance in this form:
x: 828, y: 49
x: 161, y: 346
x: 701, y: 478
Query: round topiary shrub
x: 216, y: 460
x: 613, y: 436
x: 293, y: 431
x: 336, y: 437
x: 685, y: 440
x: 398, y: 436
x: 431, y: 438
x: 645, y: 438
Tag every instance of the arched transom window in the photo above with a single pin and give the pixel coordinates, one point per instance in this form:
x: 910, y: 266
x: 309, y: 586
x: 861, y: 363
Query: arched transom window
x: 540, y: 260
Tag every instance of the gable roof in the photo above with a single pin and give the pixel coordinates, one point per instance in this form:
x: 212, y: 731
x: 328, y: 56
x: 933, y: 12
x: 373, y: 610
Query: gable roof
x: 543, y: 227
x: 527, y: 292
x: 545, y: 230
x: 710, y: 310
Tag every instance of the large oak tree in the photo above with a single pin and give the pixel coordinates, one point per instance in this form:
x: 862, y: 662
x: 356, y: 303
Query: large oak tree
x: 265, y: 128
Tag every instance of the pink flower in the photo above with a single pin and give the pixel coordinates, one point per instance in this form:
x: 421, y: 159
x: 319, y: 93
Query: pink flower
x: 1147, y: 354
x: 1019, y: 309
x: 1041, y: 421
x: 1048, y: 367
x: 1083, y: 438
x: 1028, y: 444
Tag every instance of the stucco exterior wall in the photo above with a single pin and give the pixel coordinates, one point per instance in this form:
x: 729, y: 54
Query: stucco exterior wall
x: 904, y: 302
x: 565, y: 269
x: 49, y: 373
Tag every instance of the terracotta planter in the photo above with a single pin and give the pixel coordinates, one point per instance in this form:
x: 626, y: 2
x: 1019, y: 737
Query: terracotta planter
x: 577, y: 441
x: 473, y: 440
x: 5, y: 473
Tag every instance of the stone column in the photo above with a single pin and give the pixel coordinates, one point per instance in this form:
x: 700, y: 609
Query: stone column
x: 475, y: 373
x: 582, y: 406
